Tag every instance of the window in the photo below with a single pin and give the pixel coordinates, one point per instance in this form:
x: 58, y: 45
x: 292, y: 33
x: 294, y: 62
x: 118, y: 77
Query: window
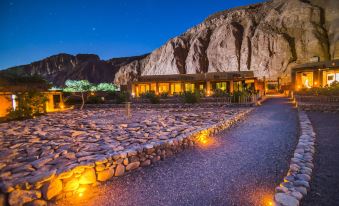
x: 175, y: 88
x: 201, y: 87
x: 307, y: 79
x: 144, y: 88
x: 221, y: 86
x: 163, y: 88
x: 238, y: 86
x: 189, y: 87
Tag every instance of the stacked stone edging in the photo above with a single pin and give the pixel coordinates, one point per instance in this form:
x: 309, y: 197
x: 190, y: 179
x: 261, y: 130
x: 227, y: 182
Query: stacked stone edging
x: 77, y: 179
x: 297, y: 182
x: 172, y: 105
x: 319, y: 107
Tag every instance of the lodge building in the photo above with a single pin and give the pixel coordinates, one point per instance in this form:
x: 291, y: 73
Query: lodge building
x: 9, y: 101
x: 207, y: 83
x: 315, y: 74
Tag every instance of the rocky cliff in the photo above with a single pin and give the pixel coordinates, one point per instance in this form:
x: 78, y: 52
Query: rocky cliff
x: 267, y: 38
x: 58, y: 68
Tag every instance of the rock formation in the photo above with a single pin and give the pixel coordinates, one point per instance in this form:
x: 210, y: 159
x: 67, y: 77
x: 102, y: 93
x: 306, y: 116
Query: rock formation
x: 267, y: 38
x: 58, y: 68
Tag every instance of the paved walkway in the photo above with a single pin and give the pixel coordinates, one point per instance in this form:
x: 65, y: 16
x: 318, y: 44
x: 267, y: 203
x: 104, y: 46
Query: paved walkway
x: 325, y: 182
x: 242, y: 167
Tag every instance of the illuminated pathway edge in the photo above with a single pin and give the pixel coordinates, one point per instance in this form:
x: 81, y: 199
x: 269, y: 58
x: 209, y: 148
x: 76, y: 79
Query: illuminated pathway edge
x: 297, y: 182
x: 76, y: 179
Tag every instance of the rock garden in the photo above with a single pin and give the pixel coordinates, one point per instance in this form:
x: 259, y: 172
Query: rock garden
x: 62, y: 154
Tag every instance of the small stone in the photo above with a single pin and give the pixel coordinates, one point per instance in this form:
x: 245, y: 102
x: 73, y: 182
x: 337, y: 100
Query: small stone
x: 88, y: 177
x: 297, y: 195
x: 20, y: 197
x: 71, y: 184
x: 65, y: 175
x: 100, y: 168
x: 120, y: 170
x: 301, y: 183
x: 106, y: 174
x: 126, y: 161
x: 52, y: 189
x: 37, y: 203
x: 304, y: 177
x: 145, y: 163
x: 132, y: 166
x: 286, y: 200
x: 302, y: 190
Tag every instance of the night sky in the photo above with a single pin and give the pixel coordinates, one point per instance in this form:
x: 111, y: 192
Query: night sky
x: 33, y: 30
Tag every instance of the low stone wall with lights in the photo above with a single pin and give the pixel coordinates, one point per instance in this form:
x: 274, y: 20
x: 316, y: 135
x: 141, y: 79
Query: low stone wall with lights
x: 76, y: 179
x: 297, y: 182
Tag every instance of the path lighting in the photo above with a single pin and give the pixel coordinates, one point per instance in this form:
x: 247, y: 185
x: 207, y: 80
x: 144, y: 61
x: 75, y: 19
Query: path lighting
x: 204, y: 140
x: 81, y: 191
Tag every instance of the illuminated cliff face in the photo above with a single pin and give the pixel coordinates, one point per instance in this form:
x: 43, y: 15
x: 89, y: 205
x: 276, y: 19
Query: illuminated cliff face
x: 267, y: 38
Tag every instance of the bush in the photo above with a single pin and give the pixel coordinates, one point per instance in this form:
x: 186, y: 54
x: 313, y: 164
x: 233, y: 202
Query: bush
x: 164, y: 95
x: 152, y: 97
x: 122, y: 97
x: 190, y: 97
x: 30, y: 104
x: 220, y: 93
x: 332, y: 90
x: 94, y: 100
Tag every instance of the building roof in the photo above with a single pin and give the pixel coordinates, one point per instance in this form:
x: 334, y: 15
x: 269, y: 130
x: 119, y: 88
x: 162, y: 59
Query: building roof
x: 324, y: 64
x: 198, y: 77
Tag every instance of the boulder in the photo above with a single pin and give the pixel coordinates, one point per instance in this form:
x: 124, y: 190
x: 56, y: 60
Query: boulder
x: 88, y: 177
x: 52, y: 189
x: 20, y: 197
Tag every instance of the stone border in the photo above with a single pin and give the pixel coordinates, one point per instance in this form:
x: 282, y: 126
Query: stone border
x: 297, y: 181
x: 318, y: 107
x: 76, y: 179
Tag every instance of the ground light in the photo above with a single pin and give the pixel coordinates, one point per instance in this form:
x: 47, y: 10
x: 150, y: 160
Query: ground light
x: 204, y: 140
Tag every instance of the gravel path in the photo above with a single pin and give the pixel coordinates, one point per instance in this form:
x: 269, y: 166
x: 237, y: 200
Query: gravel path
x: 241, y: 167
x: 325, y: 182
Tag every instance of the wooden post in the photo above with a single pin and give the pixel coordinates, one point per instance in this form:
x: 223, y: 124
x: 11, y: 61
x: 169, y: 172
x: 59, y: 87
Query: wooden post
x: 128, y: 109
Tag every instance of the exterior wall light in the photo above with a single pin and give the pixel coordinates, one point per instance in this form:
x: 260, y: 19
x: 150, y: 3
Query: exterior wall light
x: 14, y: 104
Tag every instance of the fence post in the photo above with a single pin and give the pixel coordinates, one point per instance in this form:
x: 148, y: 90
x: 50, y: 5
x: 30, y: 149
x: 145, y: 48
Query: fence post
x: 128, y: 109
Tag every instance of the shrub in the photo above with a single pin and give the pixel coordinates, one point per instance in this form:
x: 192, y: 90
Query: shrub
x: 94, y: 100
x: 220, y: 93
x: 122, y: 97
x: 30, y: 104
x: 164, y: 95
x: 190, y: 97
x: 332, y: 90
x: 152, y: 97
x: 237, y: 95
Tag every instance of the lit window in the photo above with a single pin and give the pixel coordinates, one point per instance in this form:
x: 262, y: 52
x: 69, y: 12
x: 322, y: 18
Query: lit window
x: 189, y: 87
x: 307, y: 79
x: 221, y: 86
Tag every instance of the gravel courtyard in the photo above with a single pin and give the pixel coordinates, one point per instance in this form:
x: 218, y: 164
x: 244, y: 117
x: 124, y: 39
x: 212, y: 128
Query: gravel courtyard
x: 35, y: 149
x: 241, y: 167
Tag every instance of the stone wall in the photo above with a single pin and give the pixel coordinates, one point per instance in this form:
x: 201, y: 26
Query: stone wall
x: 77, y: 179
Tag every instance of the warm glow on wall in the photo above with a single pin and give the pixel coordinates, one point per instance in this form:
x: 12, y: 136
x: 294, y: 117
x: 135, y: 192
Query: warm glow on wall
x: 204, y: 140
x: 81, y: 191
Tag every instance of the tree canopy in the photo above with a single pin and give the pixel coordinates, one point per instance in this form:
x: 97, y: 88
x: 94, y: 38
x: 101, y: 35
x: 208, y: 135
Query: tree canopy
x: 86, y: 86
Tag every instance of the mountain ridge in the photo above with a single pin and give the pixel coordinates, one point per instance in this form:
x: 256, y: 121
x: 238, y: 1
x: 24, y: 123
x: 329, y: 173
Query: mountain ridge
x: 268, y: 38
